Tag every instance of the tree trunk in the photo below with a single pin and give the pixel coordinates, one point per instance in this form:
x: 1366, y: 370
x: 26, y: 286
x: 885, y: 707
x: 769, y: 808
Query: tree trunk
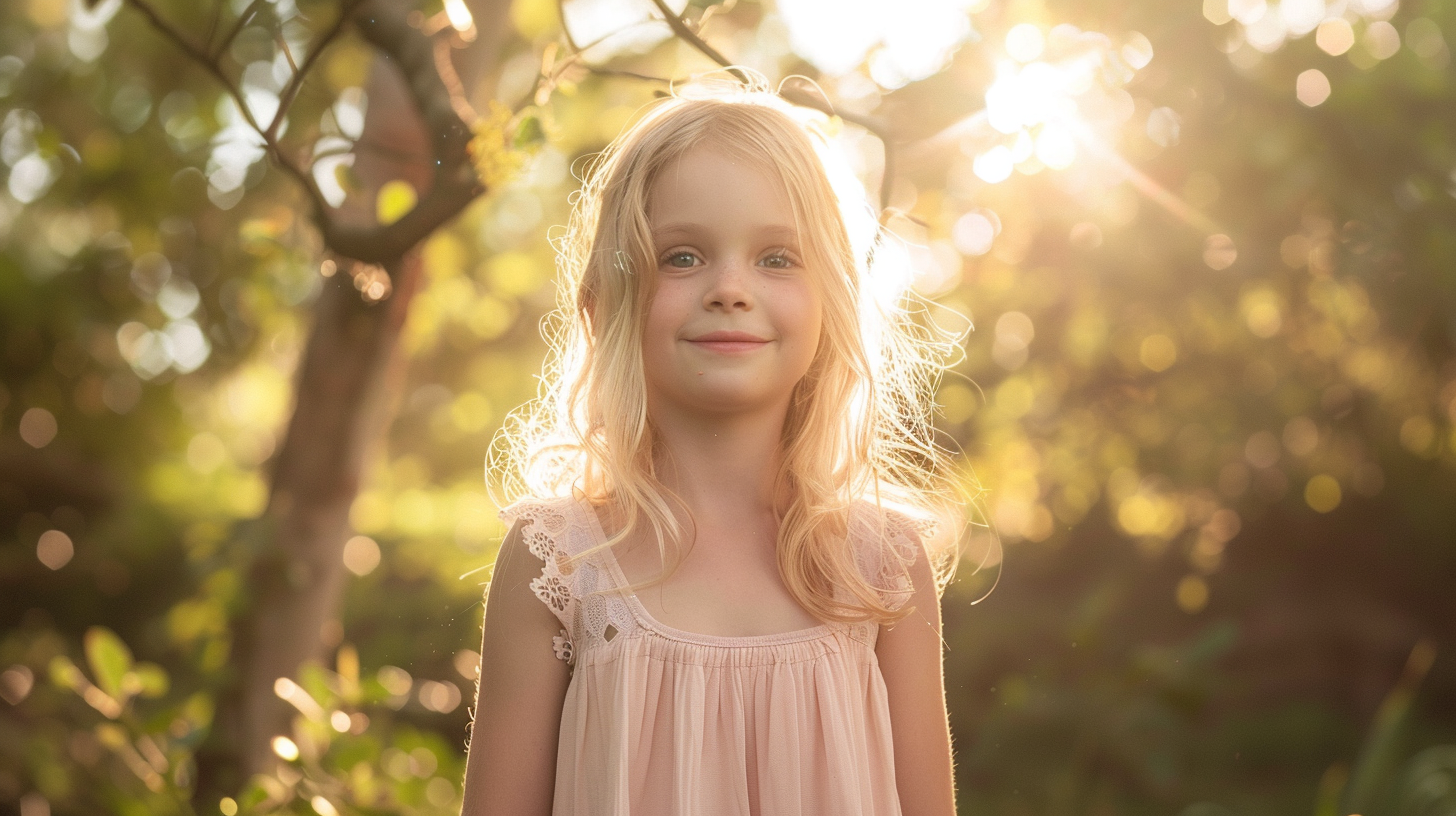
x: 346, y: 387
x: 347, y: 380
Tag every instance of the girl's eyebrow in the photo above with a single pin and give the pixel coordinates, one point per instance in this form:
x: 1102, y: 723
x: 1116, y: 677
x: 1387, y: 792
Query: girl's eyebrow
x: 772, y: 232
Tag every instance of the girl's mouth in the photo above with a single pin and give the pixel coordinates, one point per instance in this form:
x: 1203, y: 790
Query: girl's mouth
x: 729, y: 342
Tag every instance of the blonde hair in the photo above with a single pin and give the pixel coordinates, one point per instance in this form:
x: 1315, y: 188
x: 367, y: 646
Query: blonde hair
x: 859, y: 424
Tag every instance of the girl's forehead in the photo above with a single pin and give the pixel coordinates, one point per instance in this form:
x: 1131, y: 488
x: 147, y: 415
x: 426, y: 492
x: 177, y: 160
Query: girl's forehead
x: 728, y: 153
x: 717, y: 165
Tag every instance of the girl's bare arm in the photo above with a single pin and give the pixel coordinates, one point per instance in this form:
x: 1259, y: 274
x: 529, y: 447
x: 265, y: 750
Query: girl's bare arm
x: 511, y: 765
x: 910, y: 660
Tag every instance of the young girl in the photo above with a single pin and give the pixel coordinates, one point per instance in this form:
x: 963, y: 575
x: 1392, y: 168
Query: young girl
x: 705, y: 603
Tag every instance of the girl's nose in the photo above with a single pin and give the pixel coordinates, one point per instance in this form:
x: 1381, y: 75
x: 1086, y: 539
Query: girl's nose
x: 728, y: 287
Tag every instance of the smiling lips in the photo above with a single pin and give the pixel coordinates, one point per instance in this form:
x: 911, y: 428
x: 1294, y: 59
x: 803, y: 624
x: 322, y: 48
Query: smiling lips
x: 728, y: 342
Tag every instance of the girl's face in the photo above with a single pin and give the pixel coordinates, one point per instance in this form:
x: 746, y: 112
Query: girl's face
x: 735, y: 317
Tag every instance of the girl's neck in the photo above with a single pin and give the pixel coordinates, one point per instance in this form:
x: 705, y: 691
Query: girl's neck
x: 721, y: 466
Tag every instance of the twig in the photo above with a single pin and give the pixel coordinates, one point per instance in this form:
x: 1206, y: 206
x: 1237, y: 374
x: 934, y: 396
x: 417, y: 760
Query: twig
x: 384, y: 25
x: 320, y: 205
x: 566, y: 29
x: 287, y: 52
x: 629, y: 74
x: 216, y: 18
x: 243, y: 19
x: 552, y: 73
x: 207, y: 61
x: 290, y: 91
x: 681, y: 30
x: 445, y: 67
x: 879, y: 127
x: 270, y: 141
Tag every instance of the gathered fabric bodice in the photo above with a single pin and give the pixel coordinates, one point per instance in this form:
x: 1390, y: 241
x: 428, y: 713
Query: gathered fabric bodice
x: 660, y: 720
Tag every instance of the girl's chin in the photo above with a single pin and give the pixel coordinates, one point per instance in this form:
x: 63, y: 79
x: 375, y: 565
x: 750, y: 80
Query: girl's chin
x: 724, y: 401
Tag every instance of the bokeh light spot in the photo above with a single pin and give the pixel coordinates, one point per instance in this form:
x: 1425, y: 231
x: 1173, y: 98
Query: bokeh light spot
x: 439, y: 792
x: 1322, y: 493
x: 1262, y: 450
x: 1301, y: 436
x: 440, y: 697
x: 54, y: 549
x: 1423, y: 36
x: 1248, y: 12
x: 1025, y: 42
x: 467, y: 664
x: 1138, y: 50
x: 1262, y: 313
x: 1192, y: 594
x: 361, y: 555
x: 285, y: 748
x: 395, y: 680
x: 1335, y: 36
x: 1158, y: 352
x: 206, y: 453
x: 1164, y: 126
x: 1312, y: 87
x: 1381, y: 40
x: 973, y: 233
x: 38, y: 427
x: 995, y: 165
x: 16, y: 683
x: 1216, y: 11
x: 1055, y: 147
x: 1219, y: 251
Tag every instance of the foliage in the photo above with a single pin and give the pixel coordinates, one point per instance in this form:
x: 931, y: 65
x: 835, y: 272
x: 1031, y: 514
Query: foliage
x: 1211, y: 392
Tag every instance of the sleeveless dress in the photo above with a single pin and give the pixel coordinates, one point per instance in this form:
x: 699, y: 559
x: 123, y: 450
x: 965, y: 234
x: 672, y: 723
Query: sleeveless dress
x: 657, y: 720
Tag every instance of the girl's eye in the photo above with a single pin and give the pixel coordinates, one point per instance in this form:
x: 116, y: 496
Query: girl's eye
x: 680, y: 260
x: 778, y: 260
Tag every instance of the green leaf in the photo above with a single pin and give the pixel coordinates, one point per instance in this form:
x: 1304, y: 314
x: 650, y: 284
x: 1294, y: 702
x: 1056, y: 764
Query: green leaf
x: 110, y: 659
x: 151, y: 679
x: 396, y: 198
x: 64, y: 673
x: 530, y: 133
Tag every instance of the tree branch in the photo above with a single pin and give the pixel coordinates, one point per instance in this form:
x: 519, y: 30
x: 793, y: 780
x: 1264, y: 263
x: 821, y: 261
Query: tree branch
x: 290, y: 91
x: 455, y: 183
x: 210, y: 64
x: 879, y: 127
x: 202, y: 58
x: 238, y: 25
x: 566, y: 29
x: 688, y: 35
x: 386, y: 27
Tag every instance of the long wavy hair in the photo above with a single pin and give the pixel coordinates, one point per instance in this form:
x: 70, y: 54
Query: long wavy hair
x: 858, y: 430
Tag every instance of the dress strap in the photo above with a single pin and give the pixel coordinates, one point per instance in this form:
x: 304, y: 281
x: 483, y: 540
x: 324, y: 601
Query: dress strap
x: 544, y: 526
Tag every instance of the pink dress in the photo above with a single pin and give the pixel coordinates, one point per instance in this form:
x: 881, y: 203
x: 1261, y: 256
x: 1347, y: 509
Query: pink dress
x: 661, y: 721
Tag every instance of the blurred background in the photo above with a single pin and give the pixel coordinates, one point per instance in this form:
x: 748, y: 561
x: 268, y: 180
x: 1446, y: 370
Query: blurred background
x: 272, y: 273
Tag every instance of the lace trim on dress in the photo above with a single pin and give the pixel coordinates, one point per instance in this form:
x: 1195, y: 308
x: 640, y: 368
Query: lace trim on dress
x: 553, y: 529
x: 888, y: 567
x: 542, y: 529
